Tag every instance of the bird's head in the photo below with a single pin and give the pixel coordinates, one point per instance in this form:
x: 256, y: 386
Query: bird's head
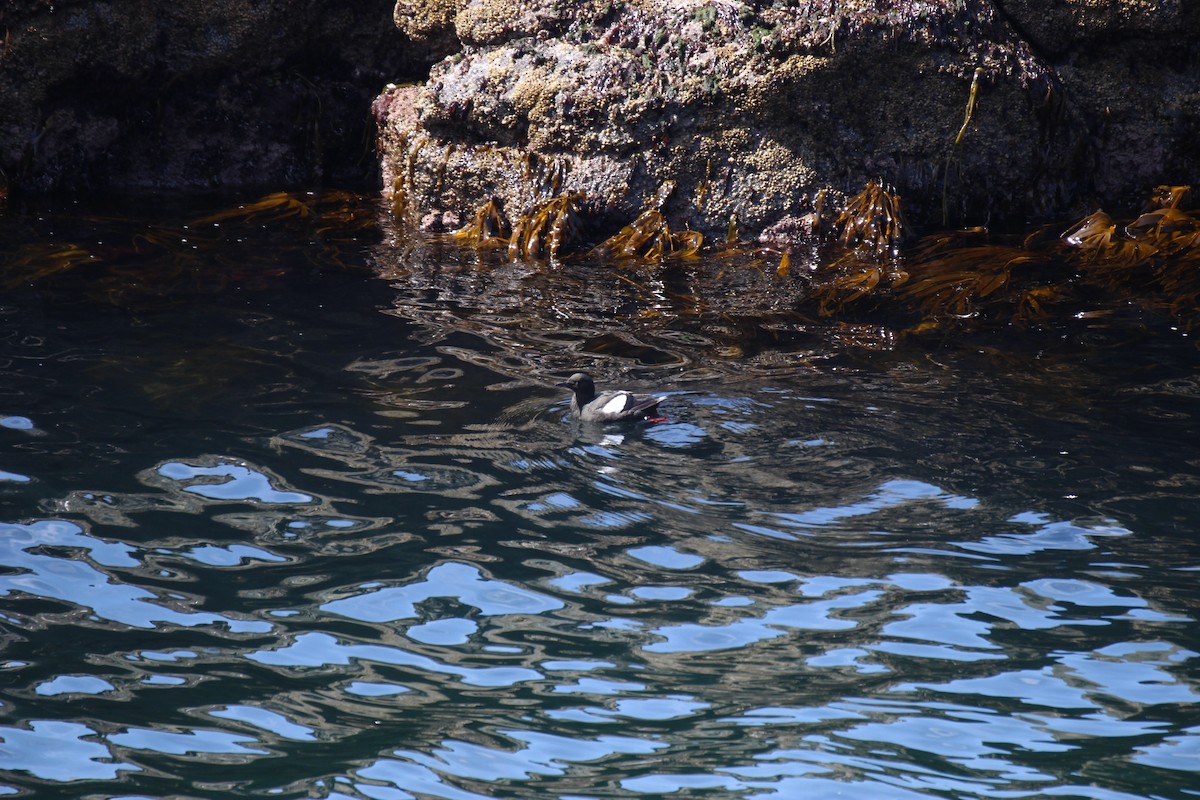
x: 581, y: 383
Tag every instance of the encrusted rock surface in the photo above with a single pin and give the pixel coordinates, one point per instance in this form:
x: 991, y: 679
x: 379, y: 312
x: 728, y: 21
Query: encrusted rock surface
x: 754, y: 108
x: 192, y: 93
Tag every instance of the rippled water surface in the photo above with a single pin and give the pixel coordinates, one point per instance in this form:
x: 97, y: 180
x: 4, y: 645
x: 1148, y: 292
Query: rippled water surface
x: 290, y: 507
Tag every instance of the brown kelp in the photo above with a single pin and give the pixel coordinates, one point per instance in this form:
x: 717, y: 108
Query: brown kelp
x: 487, y: 228
x: 35, y: 262
x: 649, y: 239
x: 862, y: 263
x: 960, y: 275
x: 869, y: 232
x: 548, y: 229
x: 968, y: 277
x: 872, y: 220
x: 962, y: 132
x: 850, y: 279
x: 172, y: 257
x: 1156, y: 256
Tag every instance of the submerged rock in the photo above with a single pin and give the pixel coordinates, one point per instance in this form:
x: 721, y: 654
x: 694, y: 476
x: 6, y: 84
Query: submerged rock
x: 972, y: 109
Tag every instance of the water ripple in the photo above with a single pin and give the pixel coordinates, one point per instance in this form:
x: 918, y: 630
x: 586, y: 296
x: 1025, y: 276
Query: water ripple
x: 280, y: 544
x: 39, y: 571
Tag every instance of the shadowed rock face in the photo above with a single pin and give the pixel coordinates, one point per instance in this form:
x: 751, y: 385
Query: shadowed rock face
x: 192, y: 93
x: 754, y: 108
x: 1130, y: 70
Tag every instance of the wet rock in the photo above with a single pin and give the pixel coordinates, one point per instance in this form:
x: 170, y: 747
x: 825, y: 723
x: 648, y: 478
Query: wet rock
x: 754, y: 108
x: 191, y: 94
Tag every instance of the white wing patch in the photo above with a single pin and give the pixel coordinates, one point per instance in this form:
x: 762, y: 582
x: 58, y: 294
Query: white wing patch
x: 617, y: 404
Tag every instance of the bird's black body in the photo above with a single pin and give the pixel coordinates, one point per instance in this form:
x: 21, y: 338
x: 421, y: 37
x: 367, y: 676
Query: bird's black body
x: 612, y: 406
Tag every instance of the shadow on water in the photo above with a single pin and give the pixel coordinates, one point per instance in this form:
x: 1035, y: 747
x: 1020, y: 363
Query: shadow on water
x: 301, y: 514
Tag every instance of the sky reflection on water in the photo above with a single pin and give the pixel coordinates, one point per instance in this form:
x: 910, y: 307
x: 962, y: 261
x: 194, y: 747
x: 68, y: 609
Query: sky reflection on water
x: 388, y: 566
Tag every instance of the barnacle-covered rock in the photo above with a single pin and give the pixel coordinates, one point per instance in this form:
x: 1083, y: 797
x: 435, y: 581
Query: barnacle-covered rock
x: 757, y: 109
x: 429, y: 26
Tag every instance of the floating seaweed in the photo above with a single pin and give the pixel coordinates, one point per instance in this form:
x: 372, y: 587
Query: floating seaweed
x: 1097, y: 244
x: 170, y: 260
x: 845, y: 280
x: 1154, y: 260
x: 1157, y: 254
x: 953, y: 280
x: 960, y: 276
x: 33, y: 263
x: 280, y: 205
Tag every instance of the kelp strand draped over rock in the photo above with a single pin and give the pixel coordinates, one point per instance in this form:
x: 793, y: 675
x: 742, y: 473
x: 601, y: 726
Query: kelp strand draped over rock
x: 649, y: 239
x: 873, y: 219
x: 488, y: 228
x: 871, y: 222
x: 552, y: 226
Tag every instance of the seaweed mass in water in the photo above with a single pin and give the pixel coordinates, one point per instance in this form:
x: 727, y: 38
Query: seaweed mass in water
x: 862, y: 267
x: 868, y: 262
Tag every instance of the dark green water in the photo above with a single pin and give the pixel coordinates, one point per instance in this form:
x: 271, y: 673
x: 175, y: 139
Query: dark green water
x: 291, y: 508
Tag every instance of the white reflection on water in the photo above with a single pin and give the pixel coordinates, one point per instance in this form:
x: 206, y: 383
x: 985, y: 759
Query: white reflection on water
x: 58, y: 751
x: 323, y: 650
x: 460, y: 581
x: 242, y: 483
x: 90, y: 587
x: 73, y: 684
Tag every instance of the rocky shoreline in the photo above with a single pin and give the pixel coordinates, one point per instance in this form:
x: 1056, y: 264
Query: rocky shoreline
x: 758, y: 115
x: 975, y: 112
